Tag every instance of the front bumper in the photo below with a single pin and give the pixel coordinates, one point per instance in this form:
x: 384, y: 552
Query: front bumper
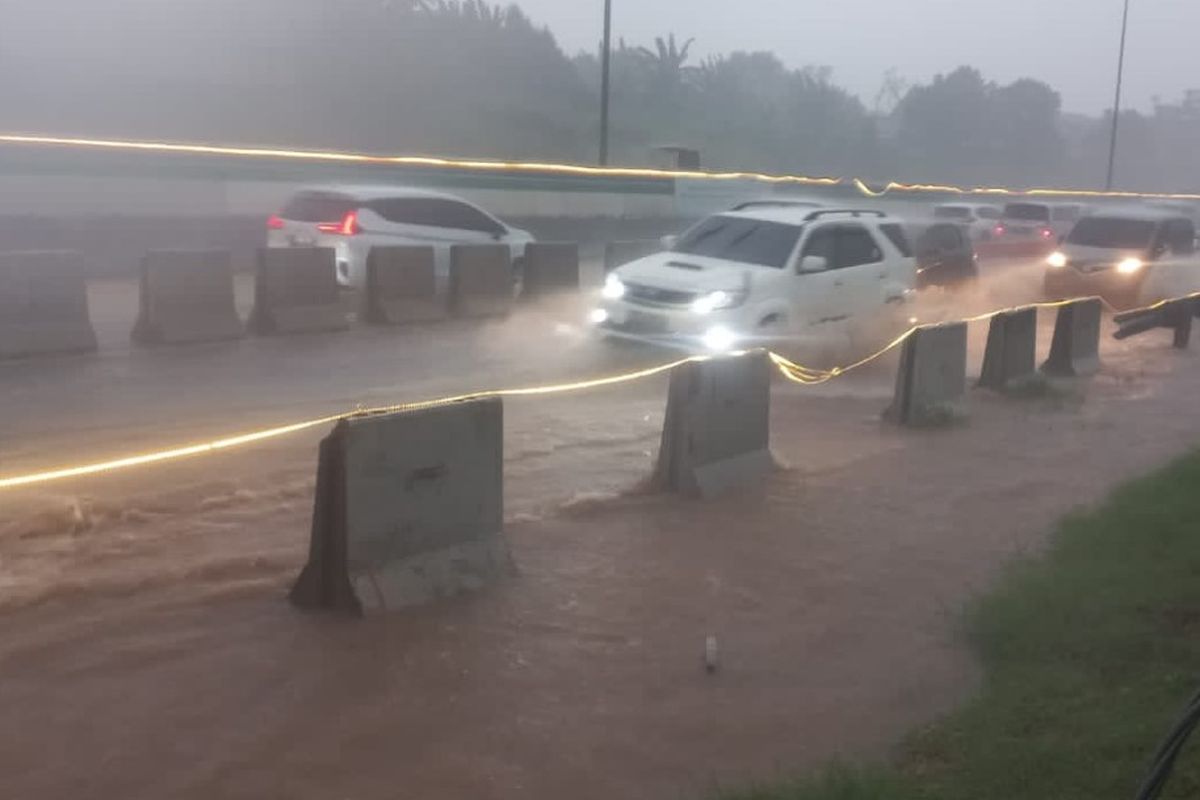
x: 1122, y: 291
x: 677, y: 329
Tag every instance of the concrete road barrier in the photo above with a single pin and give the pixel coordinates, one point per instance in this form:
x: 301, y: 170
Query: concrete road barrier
x: 1075, y: 348
x: 550, y: 268
x: 408, y: 508
x: 618, y: 253
x: 44, y: 304
x: 296, y: 291
x: 1176, y: 315
x: 402, y: 286
x: 1011, y: 354
x: 481, y: 280
x: 716, y: 433
x: 931, y: 382
x: 186, y: 296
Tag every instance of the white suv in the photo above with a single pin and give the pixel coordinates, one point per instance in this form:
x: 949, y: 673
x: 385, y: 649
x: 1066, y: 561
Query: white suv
x: 352, y: 220
x: 744, y: 277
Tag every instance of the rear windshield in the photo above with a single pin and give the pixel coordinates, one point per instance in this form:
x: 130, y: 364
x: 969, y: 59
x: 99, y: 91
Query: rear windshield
x: 315, y: 207
x: 751, y: 241
x: 1027, y: 211
x: 898, y: 237
x: 952, y: 212
x: 1112, y: 232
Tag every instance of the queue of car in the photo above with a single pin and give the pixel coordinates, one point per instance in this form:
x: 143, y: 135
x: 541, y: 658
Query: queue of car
x: 781, y: 267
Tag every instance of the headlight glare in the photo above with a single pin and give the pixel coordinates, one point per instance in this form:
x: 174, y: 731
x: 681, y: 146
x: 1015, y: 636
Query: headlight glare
x: 613, y: 289
x: 1129, y: 266
x: 712, y: 301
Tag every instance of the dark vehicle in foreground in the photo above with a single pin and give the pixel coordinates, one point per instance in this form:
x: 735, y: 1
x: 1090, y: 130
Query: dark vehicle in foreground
x: 945, y: 254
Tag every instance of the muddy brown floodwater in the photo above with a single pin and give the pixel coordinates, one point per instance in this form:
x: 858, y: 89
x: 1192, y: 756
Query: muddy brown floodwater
x: 147, y: 651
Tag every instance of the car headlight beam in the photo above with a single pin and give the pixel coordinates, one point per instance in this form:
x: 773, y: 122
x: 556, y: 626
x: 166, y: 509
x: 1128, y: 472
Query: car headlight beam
x: 1130, y: 266
x: 713, y: 301
x: 1057, y: 260
x: 614, y: 288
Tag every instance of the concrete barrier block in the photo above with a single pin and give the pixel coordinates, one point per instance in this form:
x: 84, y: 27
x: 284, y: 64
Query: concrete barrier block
x: 44, y: 304
x: 402, y: 286
x: 1011, y: 354
x: 296, y: 291
x: 1075, y: 348
x: 716, y: 433
x: 481, y: 280
x: 550, y: 268
x: 186, y: 296
x: 408, y: 508
x: 618, y: 253
x: 931, y: 382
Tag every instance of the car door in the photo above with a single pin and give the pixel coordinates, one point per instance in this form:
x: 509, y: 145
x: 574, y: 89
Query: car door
x: 1176, y: 271
x: 435, y: 221
x: 817, y: 298
x: 861, y: 273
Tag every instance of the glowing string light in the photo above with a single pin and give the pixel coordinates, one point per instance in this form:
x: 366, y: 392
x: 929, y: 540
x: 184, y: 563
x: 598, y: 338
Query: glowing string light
x: 554, y: 168
x: 226, y: 443
x: 796, y: 373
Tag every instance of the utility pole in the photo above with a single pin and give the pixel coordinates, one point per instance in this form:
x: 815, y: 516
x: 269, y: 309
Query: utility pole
x: 605, y: 57
x: 1116, y: 120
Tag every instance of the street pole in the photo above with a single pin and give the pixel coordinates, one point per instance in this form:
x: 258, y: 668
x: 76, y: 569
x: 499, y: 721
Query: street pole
x: 604, y: 66
x: 1112, y: 139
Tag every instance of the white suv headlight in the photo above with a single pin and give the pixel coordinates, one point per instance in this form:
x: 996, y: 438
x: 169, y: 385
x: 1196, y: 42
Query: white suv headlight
x: 712, y: 301
x: 613, y: 289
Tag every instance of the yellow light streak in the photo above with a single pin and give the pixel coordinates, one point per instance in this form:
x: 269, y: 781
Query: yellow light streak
x: 556, y: 168
x: 226, y: 443
x: 796, y: 373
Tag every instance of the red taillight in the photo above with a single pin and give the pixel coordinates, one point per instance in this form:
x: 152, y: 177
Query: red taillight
x: 275, y: 222
x: 1046, y: 233
x: 347, y: 227
x: 998, y: 230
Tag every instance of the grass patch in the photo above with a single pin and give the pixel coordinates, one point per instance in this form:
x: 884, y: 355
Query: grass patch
x: 1089, y: 654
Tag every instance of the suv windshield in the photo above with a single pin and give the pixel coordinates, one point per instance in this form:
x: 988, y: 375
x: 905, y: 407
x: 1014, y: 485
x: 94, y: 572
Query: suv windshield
x: 751, y: 241
x: 952, y: 212
x: 1112, y: 232
x: 1027, y: 211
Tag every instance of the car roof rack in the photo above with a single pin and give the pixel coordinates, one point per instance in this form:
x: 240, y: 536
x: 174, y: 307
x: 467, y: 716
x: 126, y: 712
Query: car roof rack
x: 854, y: 212
x: 781, y: 203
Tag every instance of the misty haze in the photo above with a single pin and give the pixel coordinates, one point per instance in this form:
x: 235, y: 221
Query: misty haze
x: 592, y: 399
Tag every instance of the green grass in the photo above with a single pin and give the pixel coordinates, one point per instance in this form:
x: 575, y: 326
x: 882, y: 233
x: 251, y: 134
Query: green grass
x: 1089, y: 653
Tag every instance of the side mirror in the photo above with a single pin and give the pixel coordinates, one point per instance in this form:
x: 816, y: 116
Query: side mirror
x: 668, y: 242
x: 813, y: 264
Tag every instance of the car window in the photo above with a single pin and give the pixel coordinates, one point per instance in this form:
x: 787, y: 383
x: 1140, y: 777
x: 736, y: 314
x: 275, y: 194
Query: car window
x: 1180, y: 237
x: 898, y: 237
x: 821, y: 243
x: 750, y: 241
x: 318, y: 207
x: 944, y: 237
x: 952, y: 212
x: 987, y: 212
x: 434, y: 212
x: 1028, y: 212
x: 1113, y: 233
x: 855, y: 247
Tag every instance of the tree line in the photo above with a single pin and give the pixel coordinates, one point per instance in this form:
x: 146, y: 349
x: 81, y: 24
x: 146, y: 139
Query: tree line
x: 465, y: 77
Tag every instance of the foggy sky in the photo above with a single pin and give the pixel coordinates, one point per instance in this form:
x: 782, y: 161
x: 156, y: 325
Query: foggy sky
x: 1070, y: 44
